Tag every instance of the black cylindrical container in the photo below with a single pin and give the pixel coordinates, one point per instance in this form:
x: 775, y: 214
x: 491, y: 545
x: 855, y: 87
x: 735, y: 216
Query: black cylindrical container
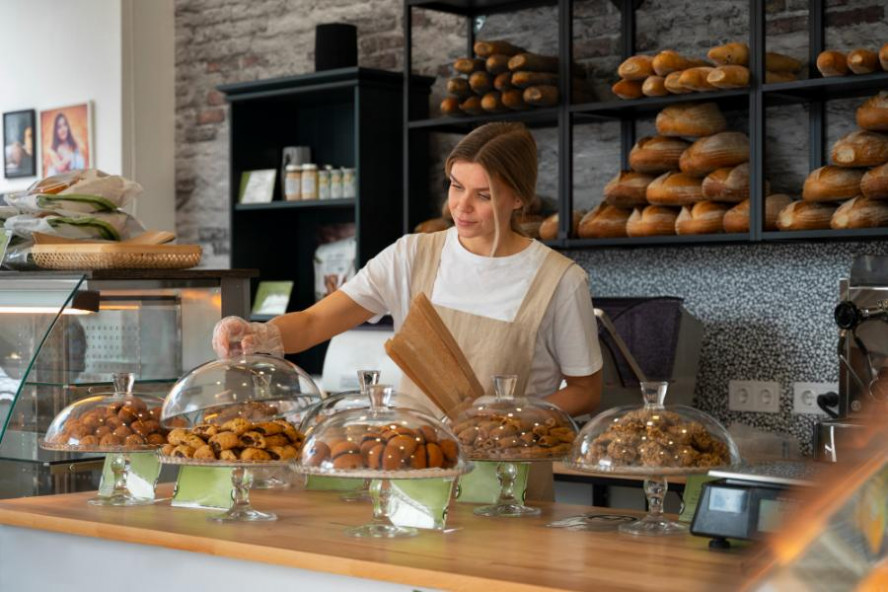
x: 336, y: 46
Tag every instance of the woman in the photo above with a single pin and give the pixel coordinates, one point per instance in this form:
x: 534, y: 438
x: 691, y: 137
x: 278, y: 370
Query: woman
x: 64, y: 155
x: 513, y: 305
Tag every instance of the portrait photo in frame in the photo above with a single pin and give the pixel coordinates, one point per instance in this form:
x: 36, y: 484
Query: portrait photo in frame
x: 66, y: 139
x: 20, y: 144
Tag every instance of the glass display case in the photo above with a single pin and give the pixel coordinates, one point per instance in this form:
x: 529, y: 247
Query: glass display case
x: 64, y: 335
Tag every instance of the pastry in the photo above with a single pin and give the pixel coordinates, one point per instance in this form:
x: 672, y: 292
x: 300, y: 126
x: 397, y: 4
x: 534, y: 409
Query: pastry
x: 628, y: 89
x: 725, y: 149
x: 541, y: 95
x: 729, y: 77
x: 832, y: 183
x: 704, y: 217
x: 691, y: 119
x: 874, y: 183
x: 604, y: 221
x: 549, y: 227
x: 675, y: 189
x: 737, y: 218
x: 627, y: 189
x: 468, y: 65
x: 486, y: 49
x: 651, y: 221
x: 497, y: 63
x: 254, y: 455
x: 696, y: 79
x: 729, y: 184
x: 533, y: 63
x: 654, y: 86
x: 637, y: 67
x: 657, y: 154
x: 672, y: 83
x: 832, y: 63
x: 805, y: 215
x: 730, y: 54
x: 860, y: 212
x: 669, y: 61
x: 863, y: 61
x: 873, y: 114
x: 861, y: 149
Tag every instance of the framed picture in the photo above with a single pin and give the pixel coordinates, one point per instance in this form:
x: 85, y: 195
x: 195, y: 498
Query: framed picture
x: 66, y: 139
x: 19, y: 144
x: 272, y: 298
x: 257, y: 186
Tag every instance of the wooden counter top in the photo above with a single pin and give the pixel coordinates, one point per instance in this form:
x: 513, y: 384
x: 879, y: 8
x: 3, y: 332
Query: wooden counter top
x: 480, y: 554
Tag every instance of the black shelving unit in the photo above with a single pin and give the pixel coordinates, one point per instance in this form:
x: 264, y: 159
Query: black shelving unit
x: 753, y: 99
x: 349, y: 117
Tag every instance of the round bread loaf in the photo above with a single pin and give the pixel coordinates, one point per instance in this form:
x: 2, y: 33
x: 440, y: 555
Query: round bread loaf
x: 832, y: 183
x: 627, y: 189
x: 737, y: 218
x: 725, y: 149
x: 873, y: 114
x: 604, y: 221
x: 861, y: 149
x: 704, y: 217
x: 860, y: 212
x: 691, y: 119
x: 805, y: 215
x: 675, y: 189
x: 874, y: 183
x: 657, y: 154
x: 730, y: 184
x: 652, y: 221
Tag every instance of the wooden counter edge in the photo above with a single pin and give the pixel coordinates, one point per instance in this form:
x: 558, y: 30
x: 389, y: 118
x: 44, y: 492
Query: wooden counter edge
x: 285, y: 557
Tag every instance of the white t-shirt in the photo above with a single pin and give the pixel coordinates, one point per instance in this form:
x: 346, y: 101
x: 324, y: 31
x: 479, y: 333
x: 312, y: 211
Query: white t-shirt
x: 567, y: 342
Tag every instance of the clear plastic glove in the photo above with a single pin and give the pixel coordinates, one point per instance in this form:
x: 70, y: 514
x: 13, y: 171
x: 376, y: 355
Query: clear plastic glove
x: 252, y: 338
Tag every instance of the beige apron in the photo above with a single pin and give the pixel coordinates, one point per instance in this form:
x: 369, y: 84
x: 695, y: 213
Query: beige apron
x: 493, y: 346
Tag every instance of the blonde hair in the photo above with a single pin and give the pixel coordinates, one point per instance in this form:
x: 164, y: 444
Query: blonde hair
x: 507, y: 152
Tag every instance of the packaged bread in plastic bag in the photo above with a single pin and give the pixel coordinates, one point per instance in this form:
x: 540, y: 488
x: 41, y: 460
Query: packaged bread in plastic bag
x: 85, y: 191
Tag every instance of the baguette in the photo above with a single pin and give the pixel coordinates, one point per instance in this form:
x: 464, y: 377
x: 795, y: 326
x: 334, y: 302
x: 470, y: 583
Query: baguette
x: 459, y: 87
x: 514, y: 99
x: 873, y: 114
x: 874, y: 183
x: 861, y: 149
x: 669, y: 61
x: 805, y: 215
x: 533, y: 62
x: 863, y: 61
x: 725, y: 149
x: 651, y: 221
x: 737, y: 218
x: 777, y: 77
x: 832, y: 63
x: 691, y: 119
x: 705, y: 217
x: 860, y: 212
x: 657, y: 154
x: 736, y: 54
x: 450, y: 106
x: 492, y: 102
x: 654, y: 86
x: 485, y: 49
x: 549, y: 227
x: 637, y: 67
x: 696, y: 79
x: 604, y: 221
x: 541, y: 96
x: 674, y: 189
x: 472, y: 106
x: 730, y: 184
x: 883, y: 57
x: 481, y: 82
x: 627, y: 189
x: 503, y: 82
x: 731, y: 76
x: 832, y: 183
x: 778, y: 62
x: 497, y: 63
x: 627, y: 89
x: 468, y: 65
x: 523, y: 79
x: 672, y: 82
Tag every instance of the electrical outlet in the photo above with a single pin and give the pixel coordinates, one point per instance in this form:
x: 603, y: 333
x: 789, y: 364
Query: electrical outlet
x: 754, y: 396
x: 804, y: 396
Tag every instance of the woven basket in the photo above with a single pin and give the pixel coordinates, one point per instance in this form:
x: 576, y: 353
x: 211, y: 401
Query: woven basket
x: 116, y: 256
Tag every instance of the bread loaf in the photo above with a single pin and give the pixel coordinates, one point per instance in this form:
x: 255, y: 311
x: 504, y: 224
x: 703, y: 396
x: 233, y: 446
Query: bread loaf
x: 459, y: 87
x: 651, y: 221
x: 541, y: 96
x: 468, y: 65
x: 674, y: 189
x: 860, y: 212
x: 873, y: 114
x: 732, y: 76
x: 725, y: 149
x: 669, y: 61
x: 863, y: 61
x: 657, y: 154
x: 627, y: 89
x: 472, y: 106
x: 514, y: 99
x: 654, y: 86
x: 485, y: 49
x: 503, y: 82
x: 628, y: 189
x: 704, y: 217
x: 533, y: 62
x: 883, y: 57
x: 832, y: 63
x: 730, y: 184
x: 481, y: 82
x: 805, y: 215
x: 672, y: 82
x: 492, y: 102
x: 874, y: 183
x: 691, y: 119
x: 450, y: 106
x: 604, y: 221
x: 524, y: 79
x: 737, y: 218
x: 549, y: 227
x: 777, y: 62
x: 832, y: 183
x: 777, y: 77
x: 861, y: 149
x: 432, y: 225
x: 696, y: 79
x: 497, y: 63
x: 730, y: 54
x: 637, y: 67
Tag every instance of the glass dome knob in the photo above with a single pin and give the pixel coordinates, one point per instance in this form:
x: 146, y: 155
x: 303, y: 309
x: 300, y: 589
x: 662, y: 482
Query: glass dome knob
x: 504, y: 386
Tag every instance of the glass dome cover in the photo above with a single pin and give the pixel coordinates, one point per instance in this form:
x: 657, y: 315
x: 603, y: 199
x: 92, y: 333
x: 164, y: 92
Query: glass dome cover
x: 382, y: 442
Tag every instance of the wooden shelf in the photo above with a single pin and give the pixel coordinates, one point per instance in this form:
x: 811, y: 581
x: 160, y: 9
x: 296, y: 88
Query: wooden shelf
x: 547, y: 117
x: 296, y: 205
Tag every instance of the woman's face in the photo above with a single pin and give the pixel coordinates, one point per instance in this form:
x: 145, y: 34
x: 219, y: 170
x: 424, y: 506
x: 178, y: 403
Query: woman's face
x: 62, y: 129
x: 470, y: 203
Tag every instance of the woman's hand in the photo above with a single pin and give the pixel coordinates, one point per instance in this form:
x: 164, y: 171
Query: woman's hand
x: 251, y: 337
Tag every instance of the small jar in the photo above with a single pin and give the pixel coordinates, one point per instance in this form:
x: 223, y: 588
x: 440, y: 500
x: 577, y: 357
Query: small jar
x: 309, y: 181
x: 336, y: 184
x: 349, y: 187
x: 324, y: 182
x: 293, y: 183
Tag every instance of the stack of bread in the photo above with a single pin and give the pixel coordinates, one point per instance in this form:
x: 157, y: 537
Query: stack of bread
x: 669, y: 72
x: 858, y: 61
x: 852, y: 192
x: 500, y: 78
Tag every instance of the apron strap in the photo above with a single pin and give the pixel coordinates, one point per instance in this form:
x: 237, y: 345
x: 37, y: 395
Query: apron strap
x: 426, y: 262
x: 541, y: 290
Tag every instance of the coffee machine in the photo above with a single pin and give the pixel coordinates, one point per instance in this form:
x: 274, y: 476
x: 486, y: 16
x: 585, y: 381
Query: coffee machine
x: 862, y: 319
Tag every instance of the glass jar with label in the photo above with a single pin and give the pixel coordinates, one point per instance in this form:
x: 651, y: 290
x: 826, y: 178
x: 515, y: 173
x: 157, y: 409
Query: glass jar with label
x: 309, y: 181
x: 293, y: 183
x: 324, y: 182
x: 336, y: 184
x: 349, y: 187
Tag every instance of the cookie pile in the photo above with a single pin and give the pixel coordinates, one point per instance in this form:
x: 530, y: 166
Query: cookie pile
x: 533, y: 435
x: 237, y: 439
